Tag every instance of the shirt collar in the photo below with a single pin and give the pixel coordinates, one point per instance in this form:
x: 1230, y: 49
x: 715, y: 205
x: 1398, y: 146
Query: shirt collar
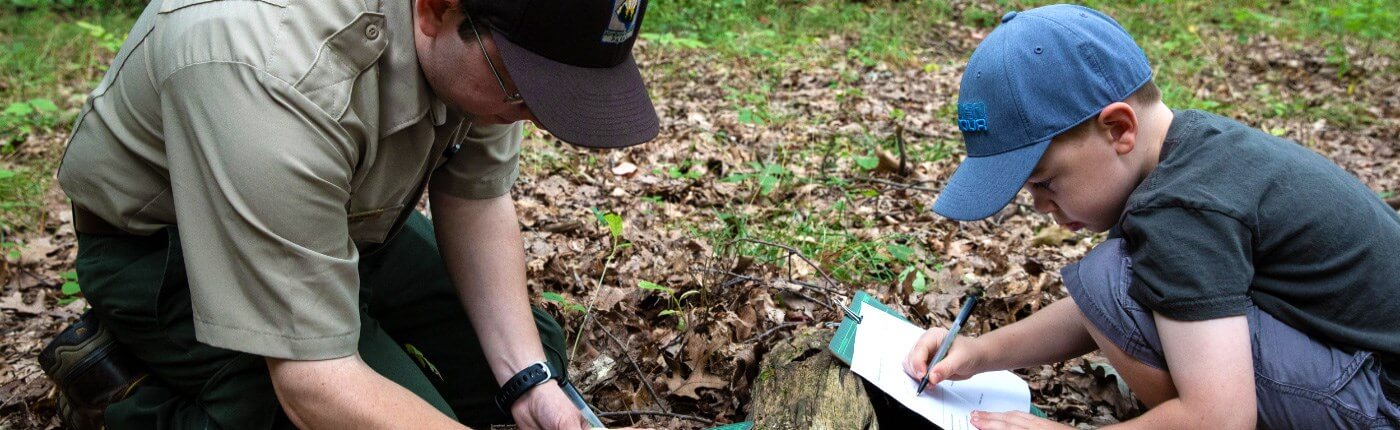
x: 404, y: 94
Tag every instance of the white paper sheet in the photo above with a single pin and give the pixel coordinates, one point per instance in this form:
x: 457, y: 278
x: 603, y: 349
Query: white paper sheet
x: 881, y: 345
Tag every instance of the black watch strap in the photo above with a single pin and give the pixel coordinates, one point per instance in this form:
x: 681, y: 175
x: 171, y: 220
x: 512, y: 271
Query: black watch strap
x: 532, y: 376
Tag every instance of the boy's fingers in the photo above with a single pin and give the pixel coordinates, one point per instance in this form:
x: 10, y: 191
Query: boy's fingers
x: 916, y: 363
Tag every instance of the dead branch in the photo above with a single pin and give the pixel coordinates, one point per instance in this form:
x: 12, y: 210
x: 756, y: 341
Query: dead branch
x: 707, y: 422
x: 894, y: 184
x: 646, y: 380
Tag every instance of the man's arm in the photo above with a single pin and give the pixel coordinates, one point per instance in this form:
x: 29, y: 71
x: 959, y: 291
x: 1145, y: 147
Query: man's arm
x: 485, y: 257
x: 345, y: 393
x: 1213, y: 370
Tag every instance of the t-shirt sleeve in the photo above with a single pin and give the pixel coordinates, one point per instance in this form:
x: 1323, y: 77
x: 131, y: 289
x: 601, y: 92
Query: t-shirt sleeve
x: 1189, y: 264
x: 485, y: 166
x: 260, y: 178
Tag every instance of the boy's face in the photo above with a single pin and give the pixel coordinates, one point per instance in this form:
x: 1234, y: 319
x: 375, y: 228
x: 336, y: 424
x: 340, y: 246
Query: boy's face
x: 1085, y: 176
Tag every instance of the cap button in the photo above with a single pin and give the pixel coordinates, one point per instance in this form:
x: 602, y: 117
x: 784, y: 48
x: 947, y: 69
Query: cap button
x: 1008, y: 16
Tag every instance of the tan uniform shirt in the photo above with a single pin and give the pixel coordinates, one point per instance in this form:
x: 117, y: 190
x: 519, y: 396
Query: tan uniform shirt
x: 284, y: 137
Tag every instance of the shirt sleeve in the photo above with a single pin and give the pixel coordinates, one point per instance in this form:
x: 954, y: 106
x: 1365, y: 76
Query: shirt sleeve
x: 260, y: 178
x: 1189, y: 264
x: 486, y: 164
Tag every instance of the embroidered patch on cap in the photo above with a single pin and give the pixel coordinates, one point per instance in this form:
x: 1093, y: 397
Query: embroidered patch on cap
x: 623, y: 22
x: 972, y: 117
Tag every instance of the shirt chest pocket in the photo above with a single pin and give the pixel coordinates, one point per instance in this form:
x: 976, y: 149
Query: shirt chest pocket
x: 386, y: 196
x: 373, y: 225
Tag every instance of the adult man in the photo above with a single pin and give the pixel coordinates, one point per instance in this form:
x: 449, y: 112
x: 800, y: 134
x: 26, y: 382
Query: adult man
x: 292, y: 141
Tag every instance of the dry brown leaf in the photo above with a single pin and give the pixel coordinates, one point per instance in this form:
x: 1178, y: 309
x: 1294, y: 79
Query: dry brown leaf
x: 697, y: 380
x: 1051, y: 235
x: 16, y: 303
x: 624, y: 168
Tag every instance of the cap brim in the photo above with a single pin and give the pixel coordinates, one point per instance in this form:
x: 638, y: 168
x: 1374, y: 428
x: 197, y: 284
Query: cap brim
x: 983, y: 185
x: 584, y: 106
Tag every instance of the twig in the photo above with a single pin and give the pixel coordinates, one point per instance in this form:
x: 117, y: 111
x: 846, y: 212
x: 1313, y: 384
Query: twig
x: 739, y: 278
x: 772, y: 330
x: 745, y: 278
x: 646, y: 380
x: 903, y: 156
x: 794, y: 252
x: 707, y: 422
x: 895, y: 184
x: 831, y: 282
x: 826, y: 157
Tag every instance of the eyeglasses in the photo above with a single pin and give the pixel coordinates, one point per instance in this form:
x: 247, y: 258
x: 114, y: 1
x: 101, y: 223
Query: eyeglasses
x: 513, y: 98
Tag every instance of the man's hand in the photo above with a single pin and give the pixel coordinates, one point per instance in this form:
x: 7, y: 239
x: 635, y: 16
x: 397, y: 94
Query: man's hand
x: 547, y: 407
x: 1013, y: 420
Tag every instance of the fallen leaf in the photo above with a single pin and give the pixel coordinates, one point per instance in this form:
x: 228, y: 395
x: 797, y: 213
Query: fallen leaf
x: 697, y: 380
x: 1051, y: 235
x: 16, y: 303
x: 624, y: 168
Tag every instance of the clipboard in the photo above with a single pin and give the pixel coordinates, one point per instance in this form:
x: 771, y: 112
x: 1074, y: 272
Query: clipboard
x: 843, y: 343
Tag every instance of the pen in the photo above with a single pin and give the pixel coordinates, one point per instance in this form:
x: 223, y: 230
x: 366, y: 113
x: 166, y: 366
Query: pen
x: 948, y: 340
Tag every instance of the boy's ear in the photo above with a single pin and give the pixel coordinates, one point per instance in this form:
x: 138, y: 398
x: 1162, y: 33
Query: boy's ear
x: 1121, y: 123
x: 430, y: 16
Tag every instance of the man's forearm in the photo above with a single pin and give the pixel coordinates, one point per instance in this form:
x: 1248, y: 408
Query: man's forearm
x: 485, y: 257
x: 1056, y: 333
x: 346, y: 393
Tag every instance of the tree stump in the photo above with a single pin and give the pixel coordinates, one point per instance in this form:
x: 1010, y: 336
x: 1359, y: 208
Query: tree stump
x: 802, y: 386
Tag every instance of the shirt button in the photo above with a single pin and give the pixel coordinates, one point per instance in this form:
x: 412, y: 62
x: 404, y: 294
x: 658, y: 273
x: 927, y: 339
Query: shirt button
x: 372, y: 31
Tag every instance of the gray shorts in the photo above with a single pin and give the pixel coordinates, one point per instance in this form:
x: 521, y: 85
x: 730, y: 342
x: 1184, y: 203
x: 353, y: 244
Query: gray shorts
x: 1300, y: 382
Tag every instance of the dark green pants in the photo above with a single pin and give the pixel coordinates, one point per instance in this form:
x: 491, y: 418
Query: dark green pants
x: 138, y: 289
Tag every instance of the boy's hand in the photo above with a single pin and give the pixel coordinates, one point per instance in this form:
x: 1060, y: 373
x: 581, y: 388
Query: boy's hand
x: 1013, y: 420
x: 963, y: 360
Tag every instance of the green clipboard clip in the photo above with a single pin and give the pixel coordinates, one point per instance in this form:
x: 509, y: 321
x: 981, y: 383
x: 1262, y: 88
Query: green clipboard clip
x: 843, y: 343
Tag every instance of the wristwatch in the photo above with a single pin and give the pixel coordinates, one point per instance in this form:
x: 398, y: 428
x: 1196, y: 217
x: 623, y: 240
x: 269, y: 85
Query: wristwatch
x: 532, y: 376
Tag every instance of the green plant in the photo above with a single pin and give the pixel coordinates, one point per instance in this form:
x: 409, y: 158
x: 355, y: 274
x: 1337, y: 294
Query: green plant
x: 688, y: 170
x: 563, y: 302
x: 768, y: 176
x: 106, y: 39
x: 21, y: 119
x: 421, y: 359
x: 96, y: 5
x: 915, y: 278
x: 674, y: 301
x: 70, y: 289
x: 672, y: 40
x: 12, y: 250
x: 615, y: 243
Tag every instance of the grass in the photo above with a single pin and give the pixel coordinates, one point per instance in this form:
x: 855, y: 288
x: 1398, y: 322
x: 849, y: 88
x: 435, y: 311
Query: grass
x: 49, y: 59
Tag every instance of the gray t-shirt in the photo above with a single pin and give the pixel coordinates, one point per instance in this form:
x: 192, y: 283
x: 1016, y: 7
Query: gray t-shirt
x: 1232, y: 215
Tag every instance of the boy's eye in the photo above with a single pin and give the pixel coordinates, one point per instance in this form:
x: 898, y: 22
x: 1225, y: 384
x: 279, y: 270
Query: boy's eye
x: 1042, y: 184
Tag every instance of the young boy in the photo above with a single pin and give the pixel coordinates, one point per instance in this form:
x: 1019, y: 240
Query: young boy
x: 1246, y: 281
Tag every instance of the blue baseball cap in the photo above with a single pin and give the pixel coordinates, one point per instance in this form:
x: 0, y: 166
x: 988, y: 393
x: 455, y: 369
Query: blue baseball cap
x: 1038, y: 74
